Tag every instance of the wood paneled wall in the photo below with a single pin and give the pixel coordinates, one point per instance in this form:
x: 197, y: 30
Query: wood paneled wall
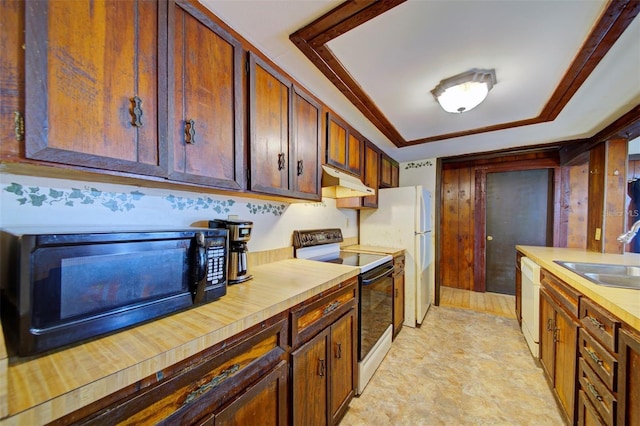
x: 459, y: 208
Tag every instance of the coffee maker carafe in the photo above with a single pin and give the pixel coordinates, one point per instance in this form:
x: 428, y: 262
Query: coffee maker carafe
x: 239, y: 234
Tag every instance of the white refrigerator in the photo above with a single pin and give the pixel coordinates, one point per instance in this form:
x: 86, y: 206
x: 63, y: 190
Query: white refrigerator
x: 403, y: 220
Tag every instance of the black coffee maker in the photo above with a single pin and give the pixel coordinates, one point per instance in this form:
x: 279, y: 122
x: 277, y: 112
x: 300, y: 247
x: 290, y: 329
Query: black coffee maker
x: 239, y: 234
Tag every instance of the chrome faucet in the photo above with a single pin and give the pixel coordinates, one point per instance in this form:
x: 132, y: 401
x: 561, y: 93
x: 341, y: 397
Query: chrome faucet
x: 628, y: 236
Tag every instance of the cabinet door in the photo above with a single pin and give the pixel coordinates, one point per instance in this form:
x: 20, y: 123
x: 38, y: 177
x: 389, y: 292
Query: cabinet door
x: 271, y: 127
x: 566, y: 337
x: 310, y: 381
x: 264, y: 403
x: 371, y: 173
x: 206, y: 126
x: 344, y: 146
x: 547, y: 333
x: 343, y: 363
x: 398, y: 303
x: 95, y: 77
x: 307, y: 122
x: 629, y: 379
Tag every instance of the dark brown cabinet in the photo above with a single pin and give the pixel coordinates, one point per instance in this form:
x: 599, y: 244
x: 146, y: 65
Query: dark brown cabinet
x: 389, y: 172
x: 345, y: 147
x: 629, y: 378
x: 95, y: 84
x: 284, y: 135
x: 324, y: 359
x: 370, y: 178
x: 559, y: 340
x: 243, y: 379
x: 206, y: 113
x: 398, y: 294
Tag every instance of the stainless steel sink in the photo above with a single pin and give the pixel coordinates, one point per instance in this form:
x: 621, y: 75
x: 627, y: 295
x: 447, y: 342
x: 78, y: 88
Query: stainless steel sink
x: 623, y: 276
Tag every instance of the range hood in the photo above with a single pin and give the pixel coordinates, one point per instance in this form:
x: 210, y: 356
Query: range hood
x: 338, y: 184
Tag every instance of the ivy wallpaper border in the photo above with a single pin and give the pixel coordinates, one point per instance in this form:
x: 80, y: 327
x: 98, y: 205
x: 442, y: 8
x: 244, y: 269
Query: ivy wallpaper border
x: 37, y: 196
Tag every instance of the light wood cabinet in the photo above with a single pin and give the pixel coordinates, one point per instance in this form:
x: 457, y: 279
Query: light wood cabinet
x: 345, y: 147
x: 95, y: 84
x: 518, y: 297
x: 284, y: 147
x: 398, y: 294
x: 559, y: 340
x: 206, y: 113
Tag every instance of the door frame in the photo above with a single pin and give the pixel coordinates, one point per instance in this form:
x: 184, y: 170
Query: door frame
x: 480, y: 233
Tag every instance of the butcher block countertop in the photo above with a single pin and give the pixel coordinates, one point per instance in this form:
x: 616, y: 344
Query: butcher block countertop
x: 623, y: 303
x: 41, y: 389
x: 375, y: 249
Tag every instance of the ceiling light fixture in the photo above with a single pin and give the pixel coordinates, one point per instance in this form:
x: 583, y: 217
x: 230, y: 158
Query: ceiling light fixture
x: 465, y: 91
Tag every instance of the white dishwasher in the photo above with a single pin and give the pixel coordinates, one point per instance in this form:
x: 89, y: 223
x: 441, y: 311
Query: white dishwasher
x: 530, y: 307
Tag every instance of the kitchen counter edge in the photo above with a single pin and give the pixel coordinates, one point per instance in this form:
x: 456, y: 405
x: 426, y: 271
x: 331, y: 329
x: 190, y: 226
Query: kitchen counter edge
x: 40, y: 389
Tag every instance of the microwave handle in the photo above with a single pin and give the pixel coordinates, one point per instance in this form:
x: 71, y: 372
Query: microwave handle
x: 200, y: 268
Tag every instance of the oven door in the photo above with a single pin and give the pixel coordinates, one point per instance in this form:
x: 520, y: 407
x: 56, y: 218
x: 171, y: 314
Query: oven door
x: 375, y: 307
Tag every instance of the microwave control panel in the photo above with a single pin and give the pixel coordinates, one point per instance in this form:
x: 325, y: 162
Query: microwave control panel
x: 215, y: 265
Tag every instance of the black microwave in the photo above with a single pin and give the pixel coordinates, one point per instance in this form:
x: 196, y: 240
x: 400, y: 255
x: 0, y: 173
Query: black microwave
x: 61, y: 288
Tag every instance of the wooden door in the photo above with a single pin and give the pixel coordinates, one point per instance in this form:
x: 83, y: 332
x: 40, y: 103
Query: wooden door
x: 547, y: 340
x: 264, y: 403
x: 566, y: 338
x: 629, y: 379
x: 206, y: 112
x: 270, y: 97
x: 307, y: 122
x: 343, y: 364
x: 95, y: 84
x: 310, y: 381
x: 519, y: 208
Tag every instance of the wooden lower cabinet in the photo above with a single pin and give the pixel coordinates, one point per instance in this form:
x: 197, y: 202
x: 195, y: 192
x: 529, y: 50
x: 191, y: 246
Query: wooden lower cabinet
x: 587, y: 414
x: 398, y: 294
x: 558, y: 351
x: 323, y: 374
x: 629, y: 379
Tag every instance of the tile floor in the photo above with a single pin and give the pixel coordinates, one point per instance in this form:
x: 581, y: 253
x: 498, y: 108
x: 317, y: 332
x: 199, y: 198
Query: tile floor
x: 461, y: 367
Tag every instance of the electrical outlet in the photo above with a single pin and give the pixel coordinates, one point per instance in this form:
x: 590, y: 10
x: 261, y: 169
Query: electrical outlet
x: 598, y: 234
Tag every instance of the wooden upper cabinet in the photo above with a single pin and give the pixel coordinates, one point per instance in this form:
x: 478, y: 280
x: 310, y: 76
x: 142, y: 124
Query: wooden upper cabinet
x: 93, y: 84
x: 307, y: 149
x: 285, y: 132
x: 344, y: 146
x: 371, y: 173
x: 206, y: 112
x: 389, y: 172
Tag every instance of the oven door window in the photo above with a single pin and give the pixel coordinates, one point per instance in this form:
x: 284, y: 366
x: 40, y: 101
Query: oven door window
x: 376, y: 304
x: 76, y: 281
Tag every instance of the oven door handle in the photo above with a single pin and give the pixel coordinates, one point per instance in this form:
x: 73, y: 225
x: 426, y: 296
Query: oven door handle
x: 387, y: 271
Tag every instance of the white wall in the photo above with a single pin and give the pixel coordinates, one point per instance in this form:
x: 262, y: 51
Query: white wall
x: 423, y: 172
x: 46, y: 203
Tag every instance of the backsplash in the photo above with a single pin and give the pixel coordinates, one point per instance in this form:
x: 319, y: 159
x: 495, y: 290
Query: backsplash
x: 36, y: 201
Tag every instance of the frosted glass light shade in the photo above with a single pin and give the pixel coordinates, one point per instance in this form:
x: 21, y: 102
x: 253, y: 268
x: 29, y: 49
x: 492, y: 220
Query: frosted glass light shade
x: 465, y: 91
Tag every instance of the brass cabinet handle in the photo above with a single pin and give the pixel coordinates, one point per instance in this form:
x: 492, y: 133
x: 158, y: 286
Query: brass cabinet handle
x: 594, y: 356
x: 331, y: 307
x: 136, y: 111
x: 594, y: 392
x: 596, y: 323
x: 300, y: 167
x: 556, y: 335
x: 321, y: 367
x: 550, y: 324
x: 281, y: 161
x: 190, y: 132
x: 215, y: 381
x: 338, y: 350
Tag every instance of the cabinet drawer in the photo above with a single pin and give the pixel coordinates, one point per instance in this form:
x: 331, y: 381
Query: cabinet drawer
x: 600, y: 324
x: 201, y: 387
x: 587, y: 414
x: 599, y: 359
x: 597, y: 393
x: 566, y: 296
x: 313, y: 316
